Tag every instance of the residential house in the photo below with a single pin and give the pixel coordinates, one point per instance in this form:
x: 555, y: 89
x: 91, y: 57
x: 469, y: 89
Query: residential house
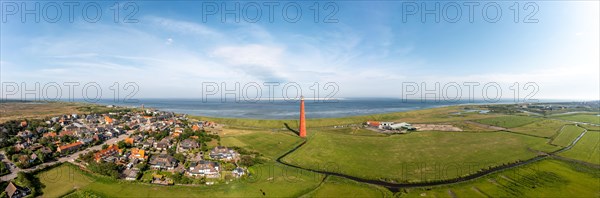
x: 195, y: 127
x: 137, y: 139
x: 46, y: 150
x: 163, y: 161
x: 224, y: 153
x: 33, y: 157
x: 188, y: 144
x: 50, y: 135
x: 109, y: 154
x: 139, y: 154
x: 86, y: 141
x: 238, y: 172
x: 69, y: 147
x: 148, y: 143
x: 164, y: 144
x: 204, y: 168
x: 14, y: 191
x: 129, y: 141
x: 66, y: 133
x: 108, y: 120
x: 25, y: 134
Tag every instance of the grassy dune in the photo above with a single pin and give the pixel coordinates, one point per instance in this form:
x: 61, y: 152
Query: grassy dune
x: 416, y: 156
x: 38, y: 110
x: 19, y: 110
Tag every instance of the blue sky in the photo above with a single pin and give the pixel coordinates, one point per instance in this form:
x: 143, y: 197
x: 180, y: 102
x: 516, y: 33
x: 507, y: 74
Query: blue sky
x: 368, y: 52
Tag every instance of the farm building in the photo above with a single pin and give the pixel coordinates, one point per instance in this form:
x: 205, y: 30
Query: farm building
x: 390, y: 125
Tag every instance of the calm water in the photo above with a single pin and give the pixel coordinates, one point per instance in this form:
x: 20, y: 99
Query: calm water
x: 280, y: 109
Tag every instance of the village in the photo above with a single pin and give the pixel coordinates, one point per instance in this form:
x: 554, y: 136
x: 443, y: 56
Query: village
x: 149, y: 146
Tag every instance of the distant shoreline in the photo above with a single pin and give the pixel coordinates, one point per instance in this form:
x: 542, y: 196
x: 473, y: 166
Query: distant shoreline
x: 281, y: 110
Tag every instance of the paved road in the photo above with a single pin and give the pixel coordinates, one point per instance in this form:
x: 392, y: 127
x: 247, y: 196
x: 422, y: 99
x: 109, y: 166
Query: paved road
x: 14, y: 169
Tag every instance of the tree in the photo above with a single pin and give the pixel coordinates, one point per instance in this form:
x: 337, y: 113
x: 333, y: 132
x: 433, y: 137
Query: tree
x: 3, y: 168
x: 247, y: 160
x: 121, y: 144
x: 41, y: 156
x: 24, y: 179
x: 180, y: 157
x: 105, y: 146
x: 228, y: 166
x: 142, y: 166
x: 66, y: 138
x: 105, y: 168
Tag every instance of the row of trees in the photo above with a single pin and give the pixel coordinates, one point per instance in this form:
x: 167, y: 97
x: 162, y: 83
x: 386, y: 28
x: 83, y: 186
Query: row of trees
x: 105, y: 168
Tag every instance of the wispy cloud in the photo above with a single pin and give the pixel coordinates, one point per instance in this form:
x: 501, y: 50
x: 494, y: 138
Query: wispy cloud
x: 170, y: 56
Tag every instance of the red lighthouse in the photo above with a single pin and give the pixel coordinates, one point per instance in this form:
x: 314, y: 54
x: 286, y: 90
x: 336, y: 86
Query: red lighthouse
x: 302, y: 119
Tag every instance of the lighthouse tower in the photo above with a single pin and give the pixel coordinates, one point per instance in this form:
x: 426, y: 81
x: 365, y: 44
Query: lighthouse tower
x: 302, y: 119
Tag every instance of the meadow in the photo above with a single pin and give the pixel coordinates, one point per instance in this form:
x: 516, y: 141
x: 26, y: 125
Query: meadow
x: 587, y: 149
x: 508, y: 121
x: 583, y: 117
x: 414, y: 157
x: 274, y: 180
x: 442, y: 114
x: 270, y: 144
x: 566, y: 136
x: 546, y: 178
x: 542, y: 128
x: 334, y: 186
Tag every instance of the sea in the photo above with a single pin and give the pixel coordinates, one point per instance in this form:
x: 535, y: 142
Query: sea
x: 284, y: 109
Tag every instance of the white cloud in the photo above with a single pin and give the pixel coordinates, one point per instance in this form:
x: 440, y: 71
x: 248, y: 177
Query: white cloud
x: 254, y: 54
x: 182, y: 26
x: 246, y: 53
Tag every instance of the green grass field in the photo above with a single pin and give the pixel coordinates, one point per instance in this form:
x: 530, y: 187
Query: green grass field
x: 417, y: 156
x: 567, y: 135
x: 63, y: 179
x: 547, y: 178
x: 412, y: 157
x: 270, y: 144
x: 587, y: 148
x: 273, y: 179
x: 510, y: 121
x: 341, y: 187
x: 588, y: 118
x: 442, y: 114
x: 542, y: 128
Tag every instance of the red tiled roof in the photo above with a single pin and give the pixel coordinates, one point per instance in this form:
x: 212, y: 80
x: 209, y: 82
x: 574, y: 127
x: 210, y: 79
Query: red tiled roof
x: 68, y: 146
